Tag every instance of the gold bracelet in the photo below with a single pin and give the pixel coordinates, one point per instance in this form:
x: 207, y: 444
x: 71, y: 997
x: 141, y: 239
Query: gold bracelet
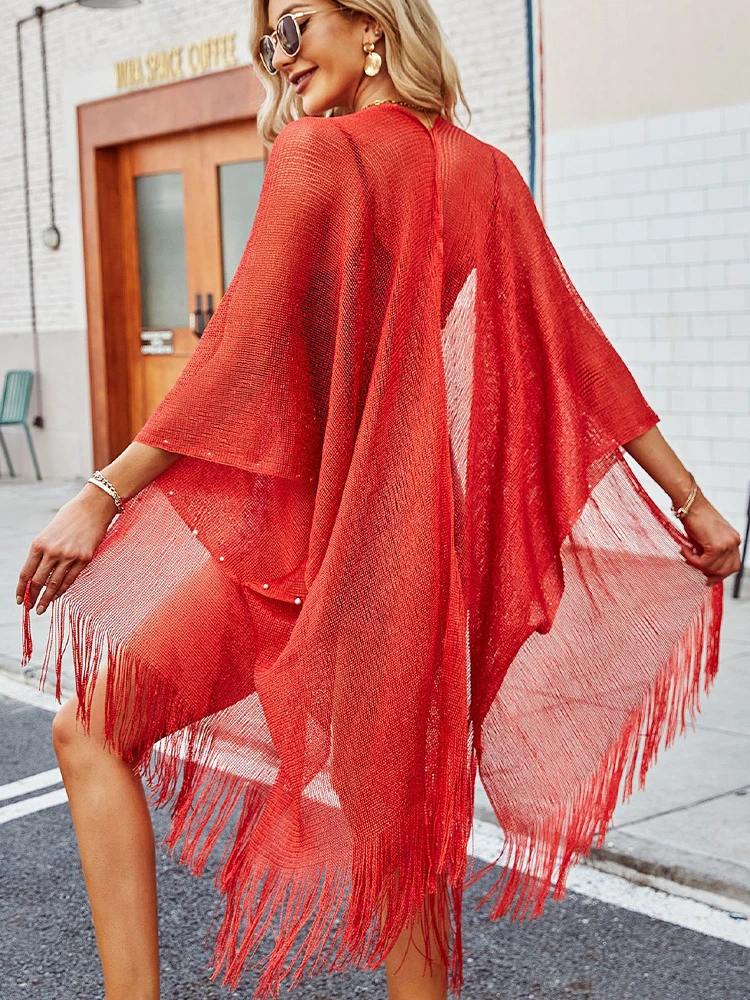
x: 682, y: 511
x: 104, y: 484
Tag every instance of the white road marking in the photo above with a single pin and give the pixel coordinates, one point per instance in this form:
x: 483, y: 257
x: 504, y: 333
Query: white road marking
x: 486, y: 844
x: 26, y: 806
x: 28, y: 695
x: 30, y: 784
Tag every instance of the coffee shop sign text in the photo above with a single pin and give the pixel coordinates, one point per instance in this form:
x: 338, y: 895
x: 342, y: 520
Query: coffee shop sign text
x: 177, y: 63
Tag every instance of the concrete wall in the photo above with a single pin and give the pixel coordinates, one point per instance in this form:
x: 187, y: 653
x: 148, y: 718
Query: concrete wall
x: 611, y: 60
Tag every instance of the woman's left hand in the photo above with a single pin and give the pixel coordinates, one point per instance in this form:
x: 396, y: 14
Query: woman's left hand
x: 716, y: 545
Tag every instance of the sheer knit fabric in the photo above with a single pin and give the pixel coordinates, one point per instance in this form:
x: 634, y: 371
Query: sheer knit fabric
x: 401, y: 546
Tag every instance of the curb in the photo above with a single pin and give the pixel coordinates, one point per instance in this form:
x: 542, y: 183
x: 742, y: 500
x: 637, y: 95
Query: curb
x: 10, y: 666
x: 693, y: 871
x: 714, y: 881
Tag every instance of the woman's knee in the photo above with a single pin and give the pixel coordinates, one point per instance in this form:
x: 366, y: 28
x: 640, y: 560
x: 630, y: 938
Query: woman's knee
x: 68, y: 737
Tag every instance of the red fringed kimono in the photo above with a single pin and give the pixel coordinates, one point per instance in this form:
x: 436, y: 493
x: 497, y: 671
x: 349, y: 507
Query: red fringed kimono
x: 402, y: 544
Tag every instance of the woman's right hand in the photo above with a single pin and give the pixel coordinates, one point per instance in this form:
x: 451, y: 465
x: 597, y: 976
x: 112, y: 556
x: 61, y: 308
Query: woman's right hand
x: 62, y: 549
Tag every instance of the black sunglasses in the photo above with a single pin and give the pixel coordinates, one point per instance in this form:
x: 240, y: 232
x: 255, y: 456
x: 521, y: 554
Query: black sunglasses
x: 288, y: 35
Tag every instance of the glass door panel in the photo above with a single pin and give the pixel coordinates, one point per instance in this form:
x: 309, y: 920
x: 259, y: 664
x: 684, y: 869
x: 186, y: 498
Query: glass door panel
x: 239, y: 191
x: 162, y: 260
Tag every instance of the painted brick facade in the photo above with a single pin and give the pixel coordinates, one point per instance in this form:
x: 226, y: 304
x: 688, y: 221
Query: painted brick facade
x: 652, y: 220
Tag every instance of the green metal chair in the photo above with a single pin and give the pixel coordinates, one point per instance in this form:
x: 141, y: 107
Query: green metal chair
x: 14, y: 409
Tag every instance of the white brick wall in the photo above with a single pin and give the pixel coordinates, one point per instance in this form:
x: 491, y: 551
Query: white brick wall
x: 652, y: 220
x: 83, y: 46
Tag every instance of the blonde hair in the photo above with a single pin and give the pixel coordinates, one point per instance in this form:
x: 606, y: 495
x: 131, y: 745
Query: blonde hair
x: 417, y: 60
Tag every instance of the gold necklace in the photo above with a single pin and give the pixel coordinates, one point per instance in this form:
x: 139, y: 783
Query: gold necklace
x: 404, y: 104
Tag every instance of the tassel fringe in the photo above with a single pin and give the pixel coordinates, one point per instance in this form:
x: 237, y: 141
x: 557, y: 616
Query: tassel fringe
x: 322, y: 919
x: 349, y: 910
x: 542, y: 857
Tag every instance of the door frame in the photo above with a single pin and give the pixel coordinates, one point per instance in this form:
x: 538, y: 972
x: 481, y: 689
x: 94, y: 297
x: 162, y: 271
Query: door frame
x: 103, y: 126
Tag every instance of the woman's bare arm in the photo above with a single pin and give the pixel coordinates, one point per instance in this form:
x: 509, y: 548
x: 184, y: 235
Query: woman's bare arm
x: 62, y: 549
x: 652, y: 452
x: 135, y: 467
x: 716, y: 539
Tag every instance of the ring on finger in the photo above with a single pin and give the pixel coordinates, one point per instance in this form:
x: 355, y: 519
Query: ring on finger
x: 44, y: 600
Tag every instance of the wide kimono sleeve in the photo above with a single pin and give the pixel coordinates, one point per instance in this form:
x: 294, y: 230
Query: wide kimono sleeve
x: 556, y: 402
x: 591, y: 638
x: 608, y: 394
x: 254, y: 393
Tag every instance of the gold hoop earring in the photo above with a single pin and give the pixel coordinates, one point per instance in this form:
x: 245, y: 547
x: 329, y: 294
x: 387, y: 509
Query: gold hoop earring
x: 373, y: 61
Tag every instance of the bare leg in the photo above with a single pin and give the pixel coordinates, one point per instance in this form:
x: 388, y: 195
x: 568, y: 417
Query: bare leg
x: 116, y: 844
x: 406, y: 976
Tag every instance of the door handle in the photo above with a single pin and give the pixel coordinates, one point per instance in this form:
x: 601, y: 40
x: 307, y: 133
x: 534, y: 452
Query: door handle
x: 199, y: 319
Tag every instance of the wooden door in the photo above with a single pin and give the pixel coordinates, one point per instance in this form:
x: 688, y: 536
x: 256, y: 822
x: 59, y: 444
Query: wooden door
x: 188, y: 204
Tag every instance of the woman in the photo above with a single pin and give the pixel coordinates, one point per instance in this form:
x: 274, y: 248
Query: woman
x: 379, y: 535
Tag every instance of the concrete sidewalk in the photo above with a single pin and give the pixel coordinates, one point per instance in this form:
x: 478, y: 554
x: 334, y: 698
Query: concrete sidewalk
x: 690, y: 826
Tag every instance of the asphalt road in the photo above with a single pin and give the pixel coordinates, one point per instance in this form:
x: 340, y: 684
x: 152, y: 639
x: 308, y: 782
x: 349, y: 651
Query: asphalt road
x: 582, y: 947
